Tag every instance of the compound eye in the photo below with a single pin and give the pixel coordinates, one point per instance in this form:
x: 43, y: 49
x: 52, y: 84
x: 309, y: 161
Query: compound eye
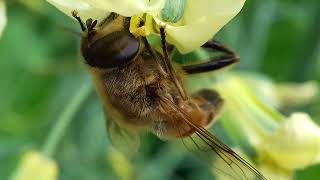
x: 125, y: 48
x: 115, y: 49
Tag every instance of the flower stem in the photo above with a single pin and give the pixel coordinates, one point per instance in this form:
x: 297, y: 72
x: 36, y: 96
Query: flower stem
x: 65, y: 119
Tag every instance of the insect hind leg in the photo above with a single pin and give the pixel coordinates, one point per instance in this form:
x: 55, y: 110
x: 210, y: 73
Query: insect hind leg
x: 228, y: 58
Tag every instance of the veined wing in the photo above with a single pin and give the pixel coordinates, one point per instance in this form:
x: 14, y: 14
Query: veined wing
x: 122, y: 139
x: 235, y: 167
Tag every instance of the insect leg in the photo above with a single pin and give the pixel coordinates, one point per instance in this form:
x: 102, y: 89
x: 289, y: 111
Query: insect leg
x: 76, y: 16
x: 108, y: 20
x: 168, y: 66
x: 215, y: 63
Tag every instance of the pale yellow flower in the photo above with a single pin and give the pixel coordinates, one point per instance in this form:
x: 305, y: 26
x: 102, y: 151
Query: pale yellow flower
x: 283, y: 144
x: 201, y: 19
x: 35, y: 166
x: 295, y: 144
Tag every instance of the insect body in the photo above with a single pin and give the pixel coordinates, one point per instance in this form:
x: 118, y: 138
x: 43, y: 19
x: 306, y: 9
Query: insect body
x: 141, y: 90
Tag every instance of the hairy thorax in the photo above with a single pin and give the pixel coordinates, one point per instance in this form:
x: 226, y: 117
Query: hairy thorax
x: 130, y: 89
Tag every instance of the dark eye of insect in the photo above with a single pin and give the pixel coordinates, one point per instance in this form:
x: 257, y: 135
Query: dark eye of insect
x: 110, y: 51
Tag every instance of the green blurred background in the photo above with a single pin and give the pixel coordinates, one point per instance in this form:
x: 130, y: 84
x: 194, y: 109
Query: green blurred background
x: 41, y: 76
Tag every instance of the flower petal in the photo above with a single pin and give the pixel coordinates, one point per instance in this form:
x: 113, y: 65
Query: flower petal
x: 295, y: 144
x: 130, y: 7
x: 99, y: 9
x: 3, y: 18
x: 202, y: 19
x: 85, y: 8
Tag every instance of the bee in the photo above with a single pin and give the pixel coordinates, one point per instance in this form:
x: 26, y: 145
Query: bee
x: 141, y: 90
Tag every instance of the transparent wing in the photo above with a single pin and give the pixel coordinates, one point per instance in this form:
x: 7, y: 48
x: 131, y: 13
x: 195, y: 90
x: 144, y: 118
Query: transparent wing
x: 122, y: 139
x: 229, y: 164
x: 225, y: 163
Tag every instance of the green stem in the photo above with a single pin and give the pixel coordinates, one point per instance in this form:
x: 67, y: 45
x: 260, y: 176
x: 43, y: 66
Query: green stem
x: 65, y: 119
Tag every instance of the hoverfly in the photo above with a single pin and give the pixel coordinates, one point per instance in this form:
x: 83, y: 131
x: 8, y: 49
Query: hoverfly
x: 142, y: 91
